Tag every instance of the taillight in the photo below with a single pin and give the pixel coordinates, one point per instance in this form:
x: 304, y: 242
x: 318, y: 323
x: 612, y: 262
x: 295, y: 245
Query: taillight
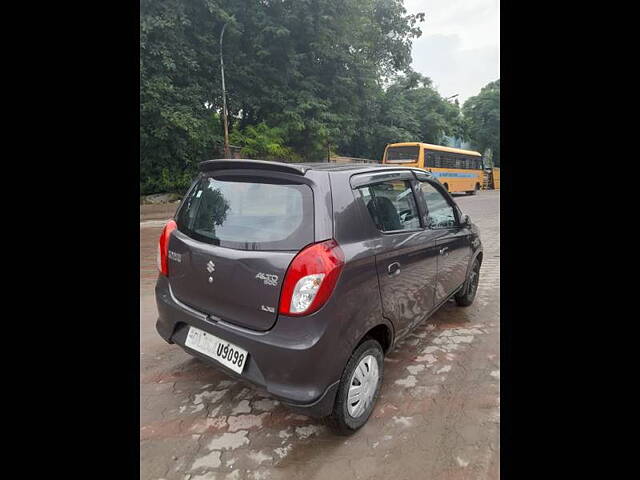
x: 310, y: 278
x: 163, y: 247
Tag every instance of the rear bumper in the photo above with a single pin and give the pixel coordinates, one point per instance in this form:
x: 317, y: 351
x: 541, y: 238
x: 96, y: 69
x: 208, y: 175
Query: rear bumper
x: 294, y: 361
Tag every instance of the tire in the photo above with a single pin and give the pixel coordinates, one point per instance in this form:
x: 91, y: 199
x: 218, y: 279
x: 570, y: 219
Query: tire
x: 475, y: 190
x: 467, y: 295
x: 341, y: 419
x: 446, y: 187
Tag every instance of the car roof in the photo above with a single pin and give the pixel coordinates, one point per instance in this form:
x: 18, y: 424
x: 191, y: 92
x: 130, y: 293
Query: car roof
x: 300, y: 168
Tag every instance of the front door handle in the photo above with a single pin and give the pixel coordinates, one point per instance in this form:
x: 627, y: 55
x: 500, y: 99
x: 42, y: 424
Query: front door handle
x: 443, y: 250
x: 393, y: 268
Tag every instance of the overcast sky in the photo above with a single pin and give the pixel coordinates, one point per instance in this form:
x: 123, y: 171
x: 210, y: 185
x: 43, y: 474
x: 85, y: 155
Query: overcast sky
x: 460, y: 44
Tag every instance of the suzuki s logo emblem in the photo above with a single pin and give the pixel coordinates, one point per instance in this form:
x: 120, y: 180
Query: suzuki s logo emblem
x: 211, y: 267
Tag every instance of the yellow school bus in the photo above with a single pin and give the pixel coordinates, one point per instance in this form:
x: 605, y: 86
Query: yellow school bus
x: 458, y: 170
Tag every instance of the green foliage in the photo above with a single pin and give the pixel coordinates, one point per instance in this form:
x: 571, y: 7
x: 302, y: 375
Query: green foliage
x: 167, y: 181
x: 263, y: 142
x: 410, y: 110
x: 309, y: 69
x: 303, y: 77
x: 177, y: 62
x: 482, y: 114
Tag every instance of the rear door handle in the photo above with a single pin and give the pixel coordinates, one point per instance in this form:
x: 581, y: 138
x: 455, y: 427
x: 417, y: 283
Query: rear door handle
x: 393, y: 268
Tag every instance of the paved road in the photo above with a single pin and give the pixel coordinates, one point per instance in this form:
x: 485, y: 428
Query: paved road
x: 438, y: 416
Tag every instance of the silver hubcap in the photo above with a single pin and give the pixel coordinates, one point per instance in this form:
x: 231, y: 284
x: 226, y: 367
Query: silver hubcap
x: 363, y: 385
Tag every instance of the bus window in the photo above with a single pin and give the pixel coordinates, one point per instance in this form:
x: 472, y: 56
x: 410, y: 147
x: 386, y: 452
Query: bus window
x: 430, y: 159
x: 406, y: 154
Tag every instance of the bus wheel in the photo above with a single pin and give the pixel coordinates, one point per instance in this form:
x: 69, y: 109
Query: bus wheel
x: 446, y: 186
x: 473, y: 192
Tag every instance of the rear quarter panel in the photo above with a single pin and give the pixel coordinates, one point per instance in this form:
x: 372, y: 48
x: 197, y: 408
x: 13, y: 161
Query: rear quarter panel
x: 358, y: 289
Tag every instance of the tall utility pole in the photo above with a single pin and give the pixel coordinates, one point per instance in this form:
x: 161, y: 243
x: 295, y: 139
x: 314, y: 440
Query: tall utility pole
x: 227, y: 153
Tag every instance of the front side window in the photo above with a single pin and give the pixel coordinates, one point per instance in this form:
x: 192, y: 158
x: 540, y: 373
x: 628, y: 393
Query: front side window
x: 248, y: 214
x: 439, y: 213
x: 402, y: 154
x: 392, y: 205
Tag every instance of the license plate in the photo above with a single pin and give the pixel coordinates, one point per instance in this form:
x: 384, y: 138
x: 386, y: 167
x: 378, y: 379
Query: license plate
x: 224, y: 352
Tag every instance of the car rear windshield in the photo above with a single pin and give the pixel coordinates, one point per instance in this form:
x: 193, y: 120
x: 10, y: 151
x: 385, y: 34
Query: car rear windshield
x: 402, y: 154
x: 248, y: 214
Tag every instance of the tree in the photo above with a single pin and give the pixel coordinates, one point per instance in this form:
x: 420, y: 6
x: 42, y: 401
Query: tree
x: 312, y: 67
x: 409, y: 110
x: 177, y: 71
x: 263, y: 142
x: 482, y: 116
x: 302, y: 76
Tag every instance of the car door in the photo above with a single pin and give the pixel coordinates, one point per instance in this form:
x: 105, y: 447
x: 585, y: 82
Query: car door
x: 452, y: 239
x: 406, y: 258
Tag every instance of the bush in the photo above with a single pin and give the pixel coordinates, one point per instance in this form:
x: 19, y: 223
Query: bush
x: 168, y: 182
x: 263, y: 142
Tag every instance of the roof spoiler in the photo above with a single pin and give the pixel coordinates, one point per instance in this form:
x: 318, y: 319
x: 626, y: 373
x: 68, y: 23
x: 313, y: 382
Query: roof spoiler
x: 225, y: 164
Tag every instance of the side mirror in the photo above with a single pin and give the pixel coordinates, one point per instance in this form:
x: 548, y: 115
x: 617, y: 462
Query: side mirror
x: 465, y: 221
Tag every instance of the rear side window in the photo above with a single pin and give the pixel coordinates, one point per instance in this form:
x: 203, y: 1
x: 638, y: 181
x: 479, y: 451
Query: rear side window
x: 247, y: 214
x: 392, y: 205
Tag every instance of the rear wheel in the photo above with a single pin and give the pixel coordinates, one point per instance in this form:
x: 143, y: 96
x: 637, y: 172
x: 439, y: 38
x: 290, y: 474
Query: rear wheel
x: 465, y: 297
x: 359, y: 388
x: 446, y: 187
x: 475, y: 190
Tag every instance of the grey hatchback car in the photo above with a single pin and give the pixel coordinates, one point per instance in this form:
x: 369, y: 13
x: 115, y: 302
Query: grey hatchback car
x: 301, y: 277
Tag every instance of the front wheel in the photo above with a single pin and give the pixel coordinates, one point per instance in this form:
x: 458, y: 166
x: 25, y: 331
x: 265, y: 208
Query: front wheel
x: 359, y: 388
x: 467, y: 295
